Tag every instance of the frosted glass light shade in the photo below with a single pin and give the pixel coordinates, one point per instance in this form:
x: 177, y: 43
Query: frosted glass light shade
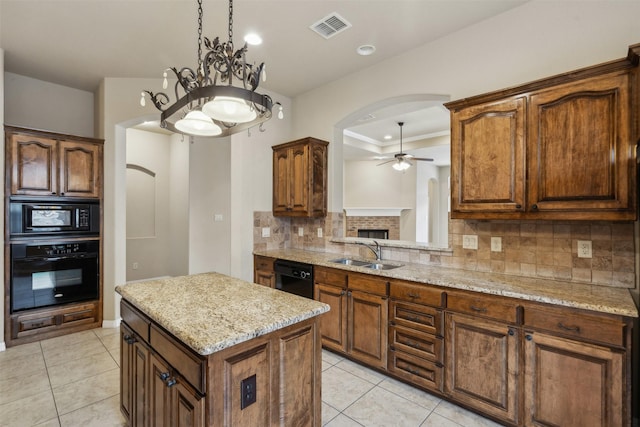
x: 198, y: 123
x: 229, y: 110
x: 401, y: 165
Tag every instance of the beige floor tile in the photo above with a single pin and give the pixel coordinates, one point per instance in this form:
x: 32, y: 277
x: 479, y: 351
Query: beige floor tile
x: 54, y: 422
x: 105, y: 413
x: 435, y: 420
x: 462, y: 416
x: 75, y: 370
x: 16, y: 385
x: 28, y: 411
x: 328, y: 413
x: 21, y: 365
x: 104, y: 332
x: 67, y: 340
x: 79, y: 394
x: 360, y: 371
x: 331, y: 358
x: 20, y: 351
x: 343, y: 421
x: 410, y: 393
x: 340, y: 388
x: 381, y: 408
x: 111, y: 341
x: 115, y: 354
x: 73, y: 351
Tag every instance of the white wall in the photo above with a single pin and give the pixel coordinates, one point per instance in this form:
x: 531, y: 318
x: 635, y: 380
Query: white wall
x: 58, y: 108
x: 179, y: 206
x: 535, y: 40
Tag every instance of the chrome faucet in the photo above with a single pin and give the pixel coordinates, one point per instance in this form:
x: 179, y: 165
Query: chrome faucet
x: 377, y: 251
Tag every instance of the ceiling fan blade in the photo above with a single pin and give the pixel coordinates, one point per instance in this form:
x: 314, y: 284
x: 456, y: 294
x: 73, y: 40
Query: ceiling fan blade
x: 384, y: 163
x: 424, y: 159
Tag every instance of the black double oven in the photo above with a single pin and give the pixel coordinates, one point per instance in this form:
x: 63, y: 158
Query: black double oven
x: 54, y: 252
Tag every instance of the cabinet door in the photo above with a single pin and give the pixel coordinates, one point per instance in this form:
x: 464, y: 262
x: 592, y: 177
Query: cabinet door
x: 487, y: 153
x: 581, y: 152
x: 333, y: 324
x: 140, y: 385
x: 299, y: 178
x: 572, y: 384
x: 265, y: 278
x: 126, y: 371
x: 187, y: 407
x: 33, y: 166
x: 159, y: 392
x: 281, y: 192
x: 482, y: 365
x: 79, y: 172
x: 368, y: 328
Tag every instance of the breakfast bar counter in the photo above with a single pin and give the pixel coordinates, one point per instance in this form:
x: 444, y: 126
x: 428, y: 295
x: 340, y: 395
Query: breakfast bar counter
x: 187, y: 339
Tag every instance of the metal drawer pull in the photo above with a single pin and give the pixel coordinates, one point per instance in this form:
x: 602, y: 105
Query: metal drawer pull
x: 569, y: 328
x: 129, y: 339
x: 171, y: 382
x: 478, y: 309
x: 164, y: 376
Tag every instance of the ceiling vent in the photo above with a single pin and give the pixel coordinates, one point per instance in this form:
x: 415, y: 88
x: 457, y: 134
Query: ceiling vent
x: 330, y: 25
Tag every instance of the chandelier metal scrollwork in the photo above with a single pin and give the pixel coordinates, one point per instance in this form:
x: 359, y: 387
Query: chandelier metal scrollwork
x: 218, y: 99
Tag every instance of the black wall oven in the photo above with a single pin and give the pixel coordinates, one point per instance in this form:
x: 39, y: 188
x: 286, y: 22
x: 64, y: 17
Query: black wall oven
x: 48, y: 274
x: 294, y: 277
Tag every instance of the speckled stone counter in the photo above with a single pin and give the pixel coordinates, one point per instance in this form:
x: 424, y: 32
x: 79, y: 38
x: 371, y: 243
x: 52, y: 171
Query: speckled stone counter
x: 597, y: 298
x: 210, y: 311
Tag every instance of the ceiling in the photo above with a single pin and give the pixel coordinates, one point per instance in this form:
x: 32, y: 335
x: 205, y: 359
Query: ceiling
x: 78, y: 43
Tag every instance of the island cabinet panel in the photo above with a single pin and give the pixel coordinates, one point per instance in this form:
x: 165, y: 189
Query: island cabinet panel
x: 48, y: 164
x: 263, y: 273
x: 300, y: 178
x: 558, y: 148
x: 357, y: 324
x: 482, y: 365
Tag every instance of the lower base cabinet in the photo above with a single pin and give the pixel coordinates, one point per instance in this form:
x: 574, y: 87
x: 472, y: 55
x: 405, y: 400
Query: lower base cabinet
x: 164, y: 383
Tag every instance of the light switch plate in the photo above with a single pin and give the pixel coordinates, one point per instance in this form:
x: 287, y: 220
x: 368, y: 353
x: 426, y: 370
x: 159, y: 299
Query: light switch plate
x: 266, y: 232
x: 470, y: 241
x: 319, y: 232
x: 300, y: 231
x: 496, y: 244
x: 217, y: 217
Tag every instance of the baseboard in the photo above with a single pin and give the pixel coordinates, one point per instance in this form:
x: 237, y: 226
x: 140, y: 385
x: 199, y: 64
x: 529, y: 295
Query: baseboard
x: 3, y: 347
x: 111, y: 323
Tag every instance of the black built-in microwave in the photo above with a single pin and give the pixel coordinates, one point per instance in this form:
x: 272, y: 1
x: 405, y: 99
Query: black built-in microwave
x: 48, y: 218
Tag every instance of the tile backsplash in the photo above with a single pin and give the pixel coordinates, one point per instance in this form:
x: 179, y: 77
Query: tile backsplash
x: 547, y: 249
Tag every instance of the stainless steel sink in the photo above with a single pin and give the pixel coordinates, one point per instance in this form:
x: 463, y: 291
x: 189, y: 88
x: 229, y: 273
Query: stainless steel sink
x: 349, y: 261
x: 381, y: 266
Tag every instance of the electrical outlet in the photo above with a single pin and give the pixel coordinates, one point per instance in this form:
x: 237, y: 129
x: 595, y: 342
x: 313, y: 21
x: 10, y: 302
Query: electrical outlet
x: 247, y: 391
x: 135, y: 266
x: 584, y: 249
x: 300, y: 231
x: 217, y: 217
x: 469, y: 241
x: 319, y: 232
x: 496, y: 244
x: 266, y: 232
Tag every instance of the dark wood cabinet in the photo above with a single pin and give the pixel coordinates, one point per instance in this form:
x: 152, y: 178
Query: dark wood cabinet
x: 300, y: 178
x: 558, y: 148
x: 263, y: 273
x: 48, y: 164
x: 357, y: 323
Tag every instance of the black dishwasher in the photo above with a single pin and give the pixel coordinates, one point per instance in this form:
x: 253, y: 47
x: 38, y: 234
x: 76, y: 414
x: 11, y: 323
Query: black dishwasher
x: 294, y: 277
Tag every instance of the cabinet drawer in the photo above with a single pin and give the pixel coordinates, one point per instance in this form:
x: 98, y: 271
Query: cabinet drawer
x: 418, y: 371
x: 23, y: 324
x: 415, y: 316
x: 187, y: 363
x: 136, y: 320
x: 264, y: 263
x: 426, y: 346
x: 574, y: 324
x: 416, y: 293
x: 84, y: 313
x: 486, y: 306
x: 330, y: 276
x: 368, y: 283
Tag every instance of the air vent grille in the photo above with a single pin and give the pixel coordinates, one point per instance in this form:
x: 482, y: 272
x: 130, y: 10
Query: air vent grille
x: 330, y: 25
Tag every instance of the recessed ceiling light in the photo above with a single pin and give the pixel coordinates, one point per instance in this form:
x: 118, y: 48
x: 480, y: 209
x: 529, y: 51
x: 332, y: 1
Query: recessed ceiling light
x: 387, y: 137
x: 366, y: 49
x: 253, y: 39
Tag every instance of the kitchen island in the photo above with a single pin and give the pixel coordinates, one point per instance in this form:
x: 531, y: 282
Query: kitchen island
x: 209, y: 349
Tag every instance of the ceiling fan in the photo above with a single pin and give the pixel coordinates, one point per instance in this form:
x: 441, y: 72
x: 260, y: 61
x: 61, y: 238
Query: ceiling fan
x: 402, y: 160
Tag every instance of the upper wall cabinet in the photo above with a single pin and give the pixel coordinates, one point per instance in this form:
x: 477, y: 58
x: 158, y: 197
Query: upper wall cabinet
x: 558, y: 148
x: 300, y: 178
x: 49, y: 164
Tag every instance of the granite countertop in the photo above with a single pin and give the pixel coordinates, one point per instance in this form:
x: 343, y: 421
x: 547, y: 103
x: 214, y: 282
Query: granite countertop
x: 569, y: 294
x: 210, y: 312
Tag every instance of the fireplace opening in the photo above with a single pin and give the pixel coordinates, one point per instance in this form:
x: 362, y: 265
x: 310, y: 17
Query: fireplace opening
x: 373, y: 234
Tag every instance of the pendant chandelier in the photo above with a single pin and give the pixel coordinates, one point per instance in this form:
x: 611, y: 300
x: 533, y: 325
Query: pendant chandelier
x: 220, y: 98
